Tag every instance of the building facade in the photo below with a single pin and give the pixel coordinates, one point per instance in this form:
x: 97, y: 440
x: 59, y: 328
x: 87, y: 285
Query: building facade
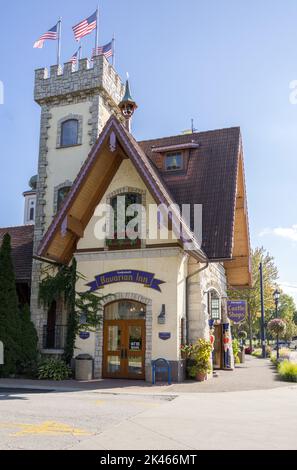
x: 162, y: 288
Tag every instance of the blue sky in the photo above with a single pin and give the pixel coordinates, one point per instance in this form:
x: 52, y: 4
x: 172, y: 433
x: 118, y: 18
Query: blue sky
x: 223, y: 62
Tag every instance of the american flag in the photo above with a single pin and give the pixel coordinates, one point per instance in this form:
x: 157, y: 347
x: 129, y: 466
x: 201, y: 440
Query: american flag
x: 74, y: 57
x: 51, y: 34
x: 85, y: 27
x: 103, y: 50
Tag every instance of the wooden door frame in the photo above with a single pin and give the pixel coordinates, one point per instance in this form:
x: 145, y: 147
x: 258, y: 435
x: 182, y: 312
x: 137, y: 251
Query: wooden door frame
x: 124, y: 342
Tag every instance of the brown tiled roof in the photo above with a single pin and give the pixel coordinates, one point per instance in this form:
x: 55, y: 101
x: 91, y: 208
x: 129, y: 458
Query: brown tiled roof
x: 210, y: 180
x: 22, y: 250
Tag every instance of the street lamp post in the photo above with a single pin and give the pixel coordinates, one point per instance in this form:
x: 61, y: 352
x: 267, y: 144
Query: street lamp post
x: 263, y: 336
x: 276, y: 296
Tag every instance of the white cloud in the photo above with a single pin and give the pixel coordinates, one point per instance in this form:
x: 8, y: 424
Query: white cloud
x: 290, y: 233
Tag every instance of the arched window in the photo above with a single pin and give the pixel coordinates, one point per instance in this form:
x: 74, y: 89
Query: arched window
x: 128, y: 199
x: 69, y: 132
x: 214, y: 305
x: 62, y: 194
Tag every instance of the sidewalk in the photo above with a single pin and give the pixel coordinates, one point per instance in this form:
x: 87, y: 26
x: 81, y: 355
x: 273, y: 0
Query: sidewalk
x: 255, y: 374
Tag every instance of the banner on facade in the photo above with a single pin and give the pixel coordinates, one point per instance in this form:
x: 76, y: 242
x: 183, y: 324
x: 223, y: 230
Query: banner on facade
x: 130, y: 275
x: 236, y: 310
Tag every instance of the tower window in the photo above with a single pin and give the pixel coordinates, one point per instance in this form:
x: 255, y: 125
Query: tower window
x: 174, y: 161
x: 62, y: 194
x: 69, y: 133
x: 31, y: 212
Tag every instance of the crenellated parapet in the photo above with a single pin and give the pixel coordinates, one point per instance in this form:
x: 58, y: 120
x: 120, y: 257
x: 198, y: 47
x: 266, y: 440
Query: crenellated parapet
x: 90, y: 77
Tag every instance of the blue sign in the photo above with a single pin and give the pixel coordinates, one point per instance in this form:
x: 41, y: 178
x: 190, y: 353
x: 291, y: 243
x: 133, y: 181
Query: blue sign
x: 123, y: 275
x: 236, y: 310
x: 164, y: 336
x: 84, y: 335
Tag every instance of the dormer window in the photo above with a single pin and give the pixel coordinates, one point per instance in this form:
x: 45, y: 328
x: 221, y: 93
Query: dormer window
x: 174, y: 161
x: 69, y: 133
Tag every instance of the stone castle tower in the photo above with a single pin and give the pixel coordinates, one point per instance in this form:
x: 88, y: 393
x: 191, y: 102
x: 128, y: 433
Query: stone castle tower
x: 75, y: 105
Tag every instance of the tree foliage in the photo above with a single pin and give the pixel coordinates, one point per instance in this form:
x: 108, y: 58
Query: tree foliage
x: 61, y: 283
x: 17, y: 332
x: 252, y: 295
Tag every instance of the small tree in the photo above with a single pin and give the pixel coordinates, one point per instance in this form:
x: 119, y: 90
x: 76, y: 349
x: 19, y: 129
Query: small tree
x: 61, y: 284
x: 29, y: 341
x: 10, y: 324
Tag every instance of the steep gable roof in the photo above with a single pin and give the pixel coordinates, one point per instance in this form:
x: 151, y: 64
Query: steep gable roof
x: 22, y: 250
x: 92, y: 181
x: 214, y: 177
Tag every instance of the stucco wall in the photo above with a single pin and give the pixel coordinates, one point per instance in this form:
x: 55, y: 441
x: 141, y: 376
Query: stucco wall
x: 168, y: 265
x: 126, y: 177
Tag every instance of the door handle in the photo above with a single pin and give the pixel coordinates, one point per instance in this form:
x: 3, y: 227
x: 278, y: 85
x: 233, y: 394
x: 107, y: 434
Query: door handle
x: 122, y: 353
x: 126, y: 353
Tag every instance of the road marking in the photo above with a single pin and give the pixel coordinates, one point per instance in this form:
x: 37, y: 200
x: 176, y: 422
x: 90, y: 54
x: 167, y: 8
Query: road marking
x: 45, y: 428
x: 100, y: 402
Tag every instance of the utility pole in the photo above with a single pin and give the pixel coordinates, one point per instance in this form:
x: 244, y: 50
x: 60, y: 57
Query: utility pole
x: 250, y: 326
x: 263, y: 339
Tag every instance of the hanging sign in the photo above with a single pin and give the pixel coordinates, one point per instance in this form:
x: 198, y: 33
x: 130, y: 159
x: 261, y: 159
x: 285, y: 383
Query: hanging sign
x: 129, y: 275
x: 164, y: 336
x: 84, y: 335
x: 236, y: 310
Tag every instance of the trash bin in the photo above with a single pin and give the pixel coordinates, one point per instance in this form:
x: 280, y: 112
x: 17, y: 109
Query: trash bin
x: 241, y: 356
x: 84, y: 367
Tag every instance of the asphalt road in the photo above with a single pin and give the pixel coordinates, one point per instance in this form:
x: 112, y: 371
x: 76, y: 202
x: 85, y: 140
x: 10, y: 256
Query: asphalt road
x: 259, y: 419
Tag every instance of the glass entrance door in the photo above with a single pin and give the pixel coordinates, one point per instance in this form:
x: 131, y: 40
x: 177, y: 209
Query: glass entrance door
x: 124, y: 341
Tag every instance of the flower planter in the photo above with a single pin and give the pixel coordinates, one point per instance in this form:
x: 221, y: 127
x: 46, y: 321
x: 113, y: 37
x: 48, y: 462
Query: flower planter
x: 123, y: 244
x: 201, y: 376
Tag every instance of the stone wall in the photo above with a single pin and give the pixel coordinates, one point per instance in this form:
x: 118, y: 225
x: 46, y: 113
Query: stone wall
x: 65, y: 81
x: 96, y: 89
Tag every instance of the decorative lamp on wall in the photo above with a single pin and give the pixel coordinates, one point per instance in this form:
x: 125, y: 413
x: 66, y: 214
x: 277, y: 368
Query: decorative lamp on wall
x: 162, y: 316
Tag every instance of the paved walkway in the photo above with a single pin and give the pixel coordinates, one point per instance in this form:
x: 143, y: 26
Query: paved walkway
x: 257, y: 412
x: 255, y: 374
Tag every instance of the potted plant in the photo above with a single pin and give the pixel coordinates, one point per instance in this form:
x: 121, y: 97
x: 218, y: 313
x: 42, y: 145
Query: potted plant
x: 198, y: 359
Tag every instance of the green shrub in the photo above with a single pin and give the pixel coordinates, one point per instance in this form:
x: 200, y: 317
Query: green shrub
x: 273, y: 359
x: 54, y: 369
x: 236, y: 349
x: 257, y: 353
x: 288, y: 371
x: 198, y: 357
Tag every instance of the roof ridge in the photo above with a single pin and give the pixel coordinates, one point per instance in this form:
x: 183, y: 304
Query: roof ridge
x: 188, y: 135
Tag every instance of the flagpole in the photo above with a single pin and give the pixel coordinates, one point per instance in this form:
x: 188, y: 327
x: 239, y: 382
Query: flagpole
x: 59, y: 41
x: 97, y: 31
x: 113, y: 50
